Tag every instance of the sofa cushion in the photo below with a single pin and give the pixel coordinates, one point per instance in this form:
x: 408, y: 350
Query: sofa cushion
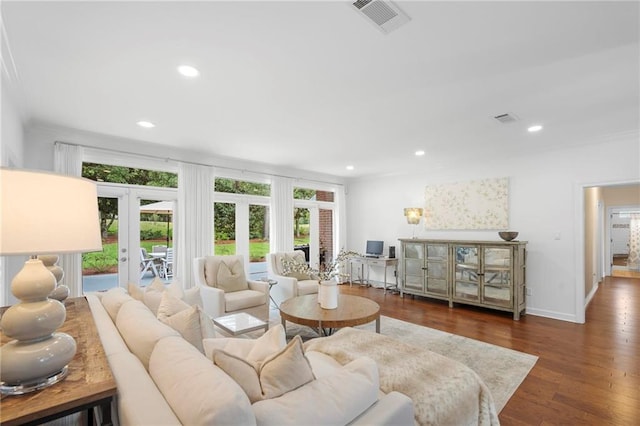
x: 111, y: 340
x: 243, y: 299
x: 335, y: 399
x: 307, y: 287
x: 231, y: 277
x: 141, y: 330
x: 140, y: 402
x: 192, y: 296
x: 113, y: 300
x: 198, y: 392
x: 278, y: 374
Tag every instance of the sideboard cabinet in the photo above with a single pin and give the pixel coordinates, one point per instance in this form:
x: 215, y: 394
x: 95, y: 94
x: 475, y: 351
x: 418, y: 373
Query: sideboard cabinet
x: 483, y: 273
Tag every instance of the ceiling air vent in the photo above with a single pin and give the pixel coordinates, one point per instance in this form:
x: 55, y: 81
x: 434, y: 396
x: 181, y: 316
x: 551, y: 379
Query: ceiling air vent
x: 385, y: 15
x: 506, y: 118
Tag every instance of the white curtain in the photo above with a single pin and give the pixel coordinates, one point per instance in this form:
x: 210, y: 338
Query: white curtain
x: 194, y: 218
x: 633, y: 261
x: 67, y: 160
x: 281, y: 233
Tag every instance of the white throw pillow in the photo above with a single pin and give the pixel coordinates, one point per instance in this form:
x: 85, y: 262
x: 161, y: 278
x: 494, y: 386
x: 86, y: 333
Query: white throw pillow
x: 153, y: 295
x: 175, y: 289
x: 231, y: 277
x: 192, y: 296
x: 113, y: 300
x: 335, y: 399
x: 253, y: 351
x: 299, y: 260
x: 190, y: 321
x: 278, y: 374
x: 135, y: 291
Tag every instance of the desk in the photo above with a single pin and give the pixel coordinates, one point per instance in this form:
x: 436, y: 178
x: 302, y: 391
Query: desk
x: 88, y: 385
x: 373, y: 261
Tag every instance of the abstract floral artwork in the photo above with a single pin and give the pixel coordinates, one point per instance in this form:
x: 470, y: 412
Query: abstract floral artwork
x: 479, y: 204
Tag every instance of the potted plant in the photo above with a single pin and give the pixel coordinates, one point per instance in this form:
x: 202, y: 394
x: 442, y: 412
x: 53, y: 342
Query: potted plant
x: 328, y: 291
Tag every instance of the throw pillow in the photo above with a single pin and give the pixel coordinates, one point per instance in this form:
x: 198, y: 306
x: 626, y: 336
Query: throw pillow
x: 231, y: 278
x: 193, y: 325
x: 153, y: 294
x: 135, y: 291
x: 170, y: 305
x: 175, y: 288
x: 280, y: 373
x: 296, y: 261
x: 192, y: 296
x: 254, y: 351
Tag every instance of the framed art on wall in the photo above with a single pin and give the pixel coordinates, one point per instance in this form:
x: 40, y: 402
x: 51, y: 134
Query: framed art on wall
x: 479, y: 204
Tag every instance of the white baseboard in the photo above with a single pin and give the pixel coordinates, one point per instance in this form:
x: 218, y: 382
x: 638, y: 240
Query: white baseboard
x: 551, y: 314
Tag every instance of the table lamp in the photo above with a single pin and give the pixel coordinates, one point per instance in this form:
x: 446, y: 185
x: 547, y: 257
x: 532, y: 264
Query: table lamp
x: 41, y: 213
x: 413, y: 215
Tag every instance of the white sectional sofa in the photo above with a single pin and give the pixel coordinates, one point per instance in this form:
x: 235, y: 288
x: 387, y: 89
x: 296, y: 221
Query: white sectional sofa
x: 163, y: 379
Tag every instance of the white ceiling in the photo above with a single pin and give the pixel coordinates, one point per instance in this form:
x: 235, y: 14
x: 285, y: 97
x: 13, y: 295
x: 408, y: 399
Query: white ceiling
x: 314, y: 85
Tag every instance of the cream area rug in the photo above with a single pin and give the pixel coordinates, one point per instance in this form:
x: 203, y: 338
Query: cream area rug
x: 501, y: 369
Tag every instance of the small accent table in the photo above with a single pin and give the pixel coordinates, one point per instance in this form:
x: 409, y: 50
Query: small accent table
x: 271, y: 283
x: 89, y: 383
x: 351, y: 311
x: 242, y: 322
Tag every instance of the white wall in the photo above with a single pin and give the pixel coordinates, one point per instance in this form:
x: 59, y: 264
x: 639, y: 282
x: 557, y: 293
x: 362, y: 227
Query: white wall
x: 12, y: 134
x: 546, y: 207
x: 11, y: 155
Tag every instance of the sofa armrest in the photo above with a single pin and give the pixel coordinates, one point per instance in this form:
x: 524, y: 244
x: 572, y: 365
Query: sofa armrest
x: 261, y: 286
x: 286, y: 288
x: 213, y: 302
x: 394, y: 408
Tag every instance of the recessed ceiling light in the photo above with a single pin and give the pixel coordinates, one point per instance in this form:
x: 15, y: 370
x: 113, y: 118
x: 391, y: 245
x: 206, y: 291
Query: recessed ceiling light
x: 419, y: 153
x: 146, y: 124
x: 188, y: 71
x: 535, y: 128
x: 350, y: 167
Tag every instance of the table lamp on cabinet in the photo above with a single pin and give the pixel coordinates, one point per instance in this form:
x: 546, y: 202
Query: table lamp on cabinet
x: 41, y: 213
x: 413, y: 214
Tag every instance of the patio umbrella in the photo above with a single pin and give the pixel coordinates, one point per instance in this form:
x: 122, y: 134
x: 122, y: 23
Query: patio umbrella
x: 161, y: 207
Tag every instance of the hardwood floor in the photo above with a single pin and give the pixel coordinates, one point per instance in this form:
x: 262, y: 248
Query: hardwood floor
x: 586, y: 373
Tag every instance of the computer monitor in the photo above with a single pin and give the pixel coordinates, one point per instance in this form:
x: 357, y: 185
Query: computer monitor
x: 374, y: 248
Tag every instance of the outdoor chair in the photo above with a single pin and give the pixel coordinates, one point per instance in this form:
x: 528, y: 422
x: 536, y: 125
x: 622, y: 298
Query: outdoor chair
x: 226, y: 290
x: 167, y: 264
x: 147, y: 263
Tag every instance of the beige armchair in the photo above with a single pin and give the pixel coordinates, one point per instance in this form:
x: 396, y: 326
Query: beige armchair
x: 288, y: 286
x: 225, y: 289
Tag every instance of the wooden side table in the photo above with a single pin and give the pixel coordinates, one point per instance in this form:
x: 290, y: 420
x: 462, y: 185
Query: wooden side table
x: 89, y: 384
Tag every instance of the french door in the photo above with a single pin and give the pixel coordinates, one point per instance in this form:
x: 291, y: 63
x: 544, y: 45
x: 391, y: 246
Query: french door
x: 120, y: 216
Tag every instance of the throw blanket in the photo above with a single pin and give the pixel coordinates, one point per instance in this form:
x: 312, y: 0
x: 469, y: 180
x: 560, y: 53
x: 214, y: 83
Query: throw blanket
x: 444, y: 391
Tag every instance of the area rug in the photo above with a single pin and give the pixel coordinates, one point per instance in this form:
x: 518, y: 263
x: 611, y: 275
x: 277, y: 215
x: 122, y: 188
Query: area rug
x: 501, y: 369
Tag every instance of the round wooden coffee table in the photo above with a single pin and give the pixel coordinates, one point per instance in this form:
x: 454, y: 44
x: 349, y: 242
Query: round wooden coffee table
x: 351, y: 311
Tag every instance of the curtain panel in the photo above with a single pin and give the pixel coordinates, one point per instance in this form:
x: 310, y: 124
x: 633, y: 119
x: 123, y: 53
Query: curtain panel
x: 281, y: 214
x: 194, y: 218
x: 67, y: 160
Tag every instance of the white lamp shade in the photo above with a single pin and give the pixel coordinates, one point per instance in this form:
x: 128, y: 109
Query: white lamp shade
x: 47, y: 213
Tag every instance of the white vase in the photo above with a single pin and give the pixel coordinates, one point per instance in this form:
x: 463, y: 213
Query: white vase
x: 328, y: 294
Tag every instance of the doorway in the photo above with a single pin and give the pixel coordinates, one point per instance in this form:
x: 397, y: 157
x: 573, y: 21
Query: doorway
x: 620, y: 222
x: 130, y: 235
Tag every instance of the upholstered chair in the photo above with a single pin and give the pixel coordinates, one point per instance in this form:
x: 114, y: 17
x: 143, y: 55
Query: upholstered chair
x: 225, y: 289
x: 291, y: 285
